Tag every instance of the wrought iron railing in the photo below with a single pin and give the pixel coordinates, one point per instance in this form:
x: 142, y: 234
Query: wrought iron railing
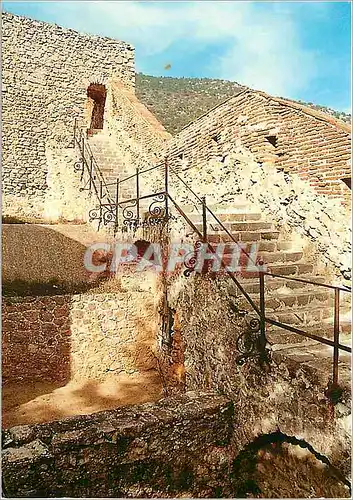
x: 126, y: 214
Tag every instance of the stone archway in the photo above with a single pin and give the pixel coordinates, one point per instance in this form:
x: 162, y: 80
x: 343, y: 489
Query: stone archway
x: 97, y: 93
x: 276, y: 465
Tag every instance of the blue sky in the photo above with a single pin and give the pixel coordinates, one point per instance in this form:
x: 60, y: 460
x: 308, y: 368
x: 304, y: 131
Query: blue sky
x: 299, y: 50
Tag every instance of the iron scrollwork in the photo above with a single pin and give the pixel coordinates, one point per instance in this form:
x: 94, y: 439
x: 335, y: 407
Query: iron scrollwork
x: 191, y: 259
x: 130, y: 219
x: 250, y: 343
x: 95, y: 214
x: 157, y: 212
x: 79, y: 167
x: 108, y: 214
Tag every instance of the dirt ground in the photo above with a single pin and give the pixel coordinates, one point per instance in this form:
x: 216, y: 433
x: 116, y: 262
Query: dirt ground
x: 44, y: 402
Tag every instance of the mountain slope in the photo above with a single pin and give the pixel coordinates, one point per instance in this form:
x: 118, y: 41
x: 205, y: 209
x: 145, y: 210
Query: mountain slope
x: 178, y: 101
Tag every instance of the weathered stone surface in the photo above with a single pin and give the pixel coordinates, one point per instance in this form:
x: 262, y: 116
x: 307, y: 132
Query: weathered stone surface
x: 172, y: 448
x: 290, y: 136
x: 240, y: 182
x: 46, y: 72
x: 97, y: 334
x: 288, y: 396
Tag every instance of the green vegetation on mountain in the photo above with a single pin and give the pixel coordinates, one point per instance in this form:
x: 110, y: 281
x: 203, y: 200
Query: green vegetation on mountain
x: 178, y: 101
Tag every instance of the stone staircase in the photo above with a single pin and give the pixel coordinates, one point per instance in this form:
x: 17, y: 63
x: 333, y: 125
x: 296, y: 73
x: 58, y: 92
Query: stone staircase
x: 308, y: 307
x: 305, y: 306
x: 110, y: 162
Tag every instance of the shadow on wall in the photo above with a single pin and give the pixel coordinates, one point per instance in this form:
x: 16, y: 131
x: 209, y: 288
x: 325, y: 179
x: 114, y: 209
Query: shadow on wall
x: 36, y: 254
x: 66, y: 352
x: 35, y: 345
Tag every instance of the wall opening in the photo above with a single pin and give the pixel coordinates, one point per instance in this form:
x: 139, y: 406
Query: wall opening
x: 348, y: 182
x: 98, y: 94
x: 272, y: 139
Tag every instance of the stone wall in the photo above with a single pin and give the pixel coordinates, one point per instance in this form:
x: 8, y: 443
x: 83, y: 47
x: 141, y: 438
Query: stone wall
x: 176, y: 447
x: 136, y: 133
x: 286, y: 199
x: 46, y: 72
x: 287, y: 397
x: 87, y: 336
x: 42, y: 254
x: 289, y: 136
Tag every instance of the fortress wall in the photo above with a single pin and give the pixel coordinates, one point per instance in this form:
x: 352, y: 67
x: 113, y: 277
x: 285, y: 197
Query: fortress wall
x: 138, y: 137
x: 306, y: 142
x: 77, y: 337
x: 46, y: 72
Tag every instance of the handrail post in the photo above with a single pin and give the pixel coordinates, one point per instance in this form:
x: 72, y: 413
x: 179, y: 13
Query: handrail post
x: 137, y: 195
x: 75, y: 125
x: 116, y: 225
x: 204, y: 219
x: 83, y: 148
x: 262, y: 312
x: 336, y: 338
x: 166, y: 175
x: 90, y: 175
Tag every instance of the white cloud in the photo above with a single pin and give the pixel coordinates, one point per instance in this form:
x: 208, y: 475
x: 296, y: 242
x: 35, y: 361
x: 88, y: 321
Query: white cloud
x: 262, y: 48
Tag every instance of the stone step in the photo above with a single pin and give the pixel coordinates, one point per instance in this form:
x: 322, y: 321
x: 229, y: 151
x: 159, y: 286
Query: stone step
x: 252, y: 250
x: 247, y: 236
x: 296, y: 269
x: 297, y: 298
x: 276, y: 335
x: 253, y: 285
x: 226, y: 217
x: 214, y: 227
x: 263, y: 245
x: 302, y: 316
x: 246, y: 262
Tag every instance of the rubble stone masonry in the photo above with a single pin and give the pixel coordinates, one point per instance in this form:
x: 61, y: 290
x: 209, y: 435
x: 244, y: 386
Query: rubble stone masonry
x: 291, y: 137
x: 74, y: 337
x: 46, y: 73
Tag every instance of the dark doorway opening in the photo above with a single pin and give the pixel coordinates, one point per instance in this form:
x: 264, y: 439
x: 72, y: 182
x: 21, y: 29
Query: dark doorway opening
x: 98, y: 94
x: 348, y: 182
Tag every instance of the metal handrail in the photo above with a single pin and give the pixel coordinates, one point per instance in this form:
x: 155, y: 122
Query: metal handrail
x: 201, y: 235
x: 261, y: 310
x: 91, y: 164
x: 333, y: 391
x: 302, y: 280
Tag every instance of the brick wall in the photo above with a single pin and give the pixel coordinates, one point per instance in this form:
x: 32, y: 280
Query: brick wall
x: 46, y: 72
x: 284, y: 134
x: 61, y: 338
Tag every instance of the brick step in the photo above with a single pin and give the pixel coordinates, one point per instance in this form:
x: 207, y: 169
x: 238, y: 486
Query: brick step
x: 226, y: 217
x: 298, y: 298
x: 247, y: 236
x: 276, y: 335
x: 214, y: 227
